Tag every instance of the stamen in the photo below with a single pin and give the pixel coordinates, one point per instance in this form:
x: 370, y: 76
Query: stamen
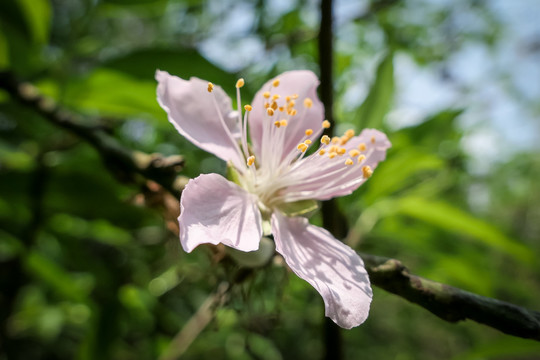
x: 250, y: 160
x: 361, y: 158
x: 344, y: 140
x: 349, y: 133
x: 292, y: 112
x: 373, y: 139
x: 326, y: 124
x: 281, y: 108
x: 335, y: 139
x: 308, y: 103
x: 307, y: 142
x: 309, y: 132
x: 266, y: 95
x: 283, y: 122
x: 274, y: 105
x: 302, y: 147
x: 325, y: 140
x: 322, y: 152
x: 341, y: 151
x: 210, y: 87
x: 295, y: 96
x: 349, y: 162
x: 332, y: 154
x: 275, y: 97
x: 275, y: 83
x: 354, y: 153
x: 277, y: 123
x: 362, y: 147
x: 367, y: 172
x: 240, y: 83
x: 266, y: 105
x: 248, y: 107
x: 270, y: 111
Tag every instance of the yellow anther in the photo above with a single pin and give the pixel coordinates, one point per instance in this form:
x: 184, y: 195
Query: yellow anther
x: 248, y: 107
x: 275, y: 83
x: 367, y: 171
x: 283, y: 122
x: 335, y: 139
x: 250, y: 160
x: 287, y: 98
x: 349, y: 162
x: 341, y: 151
x: 266, y: 105
x: 302, y: 147
x: 270, y: 111
x: 373, y: 139
x: 266, y: 95
x: 361, y: 158
x: 326, y: 124
x: 332, y: 154
x: 325, y: 140
x: 291, y: 104
x: 307, y: 142
x: 343, y: 140
x: 210, y: 87
x: 362, y: 147
x: 354, y: 153
x: 274, y: 105
x: 333, y: 148
x: 277, y: 124
x: 240, y: 83
x: 281, y: 108
x: 309, y: 132
x: 275, y: 97
x: 322, y: 152
x: 349, y: 133
x: 308, y: 102
x: 295, y: 96
x: 292, y: 112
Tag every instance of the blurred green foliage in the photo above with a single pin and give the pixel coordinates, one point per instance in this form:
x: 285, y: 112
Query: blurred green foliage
x: 87, y: 272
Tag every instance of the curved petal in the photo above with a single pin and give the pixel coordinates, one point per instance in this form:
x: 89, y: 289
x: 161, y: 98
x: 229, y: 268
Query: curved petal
x: 214, y: 210
x: 331, y: 267
x: 303, y: 83
x: 195, y: 114
x: 321, y: 178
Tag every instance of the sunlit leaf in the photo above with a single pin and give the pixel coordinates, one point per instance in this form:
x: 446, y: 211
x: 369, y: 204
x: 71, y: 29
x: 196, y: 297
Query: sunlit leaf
x: 38, y: 18
x: 379, y: 99
x: 457, y: 221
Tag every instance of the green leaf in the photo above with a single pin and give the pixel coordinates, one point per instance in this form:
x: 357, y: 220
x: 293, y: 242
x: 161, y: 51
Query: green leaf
x: 450, y: 218
x: 38, y: 18
x: 380, y: 97
x: 54, y: 276
x: 398, y: 172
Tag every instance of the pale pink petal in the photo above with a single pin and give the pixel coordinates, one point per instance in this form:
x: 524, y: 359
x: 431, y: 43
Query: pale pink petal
x: 330, y: 266
x: 319, y: 177
x: 193, y: 112
x: 214, y: 210
x: 304, y: 83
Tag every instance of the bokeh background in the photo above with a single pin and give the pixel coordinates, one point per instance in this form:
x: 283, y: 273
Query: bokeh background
x: 88, y: 270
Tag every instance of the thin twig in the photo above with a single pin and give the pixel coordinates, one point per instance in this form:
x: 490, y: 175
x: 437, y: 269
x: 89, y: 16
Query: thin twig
x: 204, y: 315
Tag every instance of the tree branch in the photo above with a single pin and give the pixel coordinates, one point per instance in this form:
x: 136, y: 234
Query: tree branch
x: 447, y: 302
x: 450, y: 303
x: 162, y: 170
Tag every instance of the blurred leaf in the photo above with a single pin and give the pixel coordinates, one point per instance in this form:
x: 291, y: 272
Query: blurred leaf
x: 503, y: 348
x: 452, y: 219
x: 107, y: 92
x: 142, y: 64
x: 398, y: 170
x: 54, y: 276
x: 38, y: 18
x: 379, y: 99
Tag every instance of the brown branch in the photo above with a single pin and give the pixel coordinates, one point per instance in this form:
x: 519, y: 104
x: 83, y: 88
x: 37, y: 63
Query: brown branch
x: 447, y: 302
x: 450, y: 303
x: 120, y: 159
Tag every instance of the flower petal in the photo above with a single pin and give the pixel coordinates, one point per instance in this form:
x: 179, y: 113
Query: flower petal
x: 193, y: 112
x: 330, y: 266
x: 302, y: 83
x: 214, y: 210
x: 320, y: 177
